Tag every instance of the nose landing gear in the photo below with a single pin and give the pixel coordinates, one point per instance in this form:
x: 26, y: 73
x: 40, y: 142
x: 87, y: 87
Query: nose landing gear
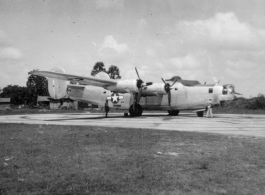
x: 173, y: 112
x: 200, y: 114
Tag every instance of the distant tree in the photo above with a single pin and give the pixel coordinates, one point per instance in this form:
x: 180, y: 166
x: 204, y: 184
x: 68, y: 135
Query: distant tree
x: 258, y: 103
x: 98, y: 67
x: 36, y: 85
x: 114, y: 72
x: 17, y: 94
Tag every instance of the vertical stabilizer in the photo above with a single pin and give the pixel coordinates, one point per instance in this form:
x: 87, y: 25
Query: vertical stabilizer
x: 57, y: 88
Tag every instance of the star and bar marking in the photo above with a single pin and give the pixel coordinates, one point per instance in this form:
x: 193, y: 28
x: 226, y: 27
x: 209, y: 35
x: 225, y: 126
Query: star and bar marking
x: 115, y: 98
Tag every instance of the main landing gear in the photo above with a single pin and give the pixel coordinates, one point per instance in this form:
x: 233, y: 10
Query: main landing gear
x: 137, y: 111
x: 173, y: 112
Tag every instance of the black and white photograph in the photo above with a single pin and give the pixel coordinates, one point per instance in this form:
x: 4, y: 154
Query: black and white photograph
x: 132, y: 97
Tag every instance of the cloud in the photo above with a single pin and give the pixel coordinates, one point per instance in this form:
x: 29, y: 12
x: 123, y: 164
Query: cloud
x: 241, y: 64
x: 110, y: 4
x: 112, y: 47
x: 245, y: 55
x: 237, y: 74
x: 11, y: 63
x: 221, y: 47
x: 2, y: 35
x: 142, y: 23
x: 13, y: 72
x: 186, y: 62
x: 224, y: 30
x: 10, y: 53
x: 150, y: 52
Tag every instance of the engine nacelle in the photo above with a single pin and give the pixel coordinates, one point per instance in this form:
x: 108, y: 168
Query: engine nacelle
x: 130, y: 86
x: 155, y: 89
x: 124, y: 86
x: 57, y: 88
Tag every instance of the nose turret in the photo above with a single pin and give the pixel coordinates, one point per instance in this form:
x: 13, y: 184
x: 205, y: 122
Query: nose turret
x: 228, y: 92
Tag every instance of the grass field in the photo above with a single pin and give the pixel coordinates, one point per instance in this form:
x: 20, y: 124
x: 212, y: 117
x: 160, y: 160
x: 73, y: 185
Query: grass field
x: 47, y: 159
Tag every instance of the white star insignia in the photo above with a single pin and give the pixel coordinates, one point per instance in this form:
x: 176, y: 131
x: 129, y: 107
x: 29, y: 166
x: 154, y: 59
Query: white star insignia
x: 115, y: 98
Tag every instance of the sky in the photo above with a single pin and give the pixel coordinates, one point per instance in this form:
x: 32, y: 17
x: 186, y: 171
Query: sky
x: 204, y: 40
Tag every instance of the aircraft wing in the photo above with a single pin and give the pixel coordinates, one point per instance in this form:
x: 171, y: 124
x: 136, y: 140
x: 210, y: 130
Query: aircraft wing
x: 88, y: 80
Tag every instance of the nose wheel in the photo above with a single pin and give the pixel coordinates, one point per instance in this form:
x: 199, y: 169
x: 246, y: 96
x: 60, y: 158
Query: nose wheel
x: 200, y: 114
x: 137, y: 111
x: 173, y: 112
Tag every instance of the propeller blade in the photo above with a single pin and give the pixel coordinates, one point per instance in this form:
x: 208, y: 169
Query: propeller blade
x: 163, y: 80
x: 173, y: 83
x: 137, y: 73
x: 169, y: 98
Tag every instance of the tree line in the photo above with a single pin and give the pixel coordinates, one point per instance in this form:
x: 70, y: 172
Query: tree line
x: 254, y: 103
x: 38, y: 86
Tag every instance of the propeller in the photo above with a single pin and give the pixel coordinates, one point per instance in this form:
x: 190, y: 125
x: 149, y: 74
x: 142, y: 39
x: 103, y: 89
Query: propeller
x: 168, y: 88
x: 141, y: 85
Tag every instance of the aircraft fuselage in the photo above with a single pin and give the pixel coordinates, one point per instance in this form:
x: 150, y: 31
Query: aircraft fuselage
x: 182, y: 97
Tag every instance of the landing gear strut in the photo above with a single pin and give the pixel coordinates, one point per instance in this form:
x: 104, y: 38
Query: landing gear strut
x: 173, y: 112
x: 137, y: 111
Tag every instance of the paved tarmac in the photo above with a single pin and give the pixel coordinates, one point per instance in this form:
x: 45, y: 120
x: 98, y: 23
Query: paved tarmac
x: 234, y: 124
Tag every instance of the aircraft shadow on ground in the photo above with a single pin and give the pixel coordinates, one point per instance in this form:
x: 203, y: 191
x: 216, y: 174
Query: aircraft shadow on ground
x: 165, y: 117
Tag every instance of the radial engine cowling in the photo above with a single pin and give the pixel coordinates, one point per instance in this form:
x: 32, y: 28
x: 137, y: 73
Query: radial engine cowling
x: 155, y: 89
x: 124, y: 86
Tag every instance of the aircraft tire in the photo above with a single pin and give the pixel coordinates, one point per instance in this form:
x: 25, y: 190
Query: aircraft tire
x: 176, y: 112
x: 137, y: 112
x: 173, y: 112
x: 131, y: 111
x: 200, y: 114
